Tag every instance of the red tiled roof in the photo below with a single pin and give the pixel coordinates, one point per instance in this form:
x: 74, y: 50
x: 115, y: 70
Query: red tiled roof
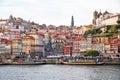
x: 68, y: 40
x: 40, y: 33
x: 6, y: 41
x: 68, y: 46
x: 28, y: 37
x: 30, y: 33
x: 113, y: 16
x: 14, y: 31
x: 95, y: 40
x: 89, y: 26
x: 58, y: 38
x: 17, y: 39
x: 115, y: 44
x: 2, y: 30
x: 3, y: 20
x: 79, y: 38
x: 113, y: 40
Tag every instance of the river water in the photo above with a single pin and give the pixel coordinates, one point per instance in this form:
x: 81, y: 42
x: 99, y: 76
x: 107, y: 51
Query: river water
x: 59, y: 72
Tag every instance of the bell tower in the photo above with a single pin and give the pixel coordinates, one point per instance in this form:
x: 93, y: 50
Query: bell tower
x: 72, y: 22
x: 95, y: 16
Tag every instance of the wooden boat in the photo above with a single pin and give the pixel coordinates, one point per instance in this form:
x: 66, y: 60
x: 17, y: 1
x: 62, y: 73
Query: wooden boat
x: 34, y: 63
x: 28, y: 63
x: 83, y: 63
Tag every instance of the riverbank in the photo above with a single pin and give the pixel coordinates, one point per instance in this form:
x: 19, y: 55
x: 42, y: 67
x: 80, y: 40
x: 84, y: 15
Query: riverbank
x: 112, y: 63
x: 57, y: 63
x: 28, y: 63
x: 106, y: 63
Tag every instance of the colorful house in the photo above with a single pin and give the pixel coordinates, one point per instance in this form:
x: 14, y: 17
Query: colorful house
x: 27, y: 44
x: 58, y: 46
x: 16, y: 46
x: 68, y: 47
x: 79, y: 46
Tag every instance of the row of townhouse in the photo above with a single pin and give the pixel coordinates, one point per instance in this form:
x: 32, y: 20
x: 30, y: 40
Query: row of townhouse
x: 33, y: 43
x: 53, y: 40
x: 19, y: 43
x: 25, y: 45
x: 56, y: 43
x: 5, y: 46
x: 108, y: 47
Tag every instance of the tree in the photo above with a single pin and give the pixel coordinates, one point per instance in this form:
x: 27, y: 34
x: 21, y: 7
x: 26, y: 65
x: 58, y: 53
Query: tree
x: 118, y: 21
x: 108, y: 27
x: 87, y: 32
x: 17, y: 27
x: 112, y: 29
x: 92, y: 53
x: 99, y: 31
x: 116, y: 31
x: 117, y: 26
x: 93, y: 31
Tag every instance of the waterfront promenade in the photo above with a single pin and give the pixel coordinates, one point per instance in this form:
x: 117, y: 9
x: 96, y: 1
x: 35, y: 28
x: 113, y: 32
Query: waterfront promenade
x: 61, y: 61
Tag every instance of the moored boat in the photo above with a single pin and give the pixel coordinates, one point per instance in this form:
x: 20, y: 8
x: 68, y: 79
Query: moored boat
x: 27, y: 63
x: 83, y: 63
x: 33, y: 63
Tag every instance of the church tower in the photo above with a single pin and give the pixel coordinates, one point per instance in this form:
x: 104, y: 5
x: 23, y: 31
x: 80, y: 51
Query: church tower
x: 72, y: 22
x: 95, y: 16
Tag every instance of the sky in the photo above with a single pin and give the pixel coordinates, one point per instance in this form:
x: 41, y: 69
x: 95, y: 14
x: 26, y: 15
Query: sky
x: 57, y: 12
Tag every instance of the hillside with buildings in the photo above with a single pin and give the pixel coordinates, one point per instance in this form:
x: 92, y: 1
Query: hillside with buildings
x: 19, y: 37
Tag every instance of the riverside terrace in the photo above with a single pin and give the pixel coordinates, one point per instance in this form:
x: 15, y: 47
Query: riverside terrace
x: 60, y: 59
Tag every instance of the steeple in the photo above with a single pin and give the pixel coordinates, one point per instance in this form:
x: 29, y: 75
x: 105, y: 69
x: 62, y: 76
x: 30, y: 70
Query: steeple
x: 95, y: 16
x: 99, y: 13
x: 72, y: 22
x: 11, y: 17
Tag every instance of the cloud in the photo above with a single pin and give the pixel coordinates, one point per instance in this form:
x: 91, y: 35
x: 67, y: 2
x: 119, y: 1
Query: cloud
x: 57, y: 12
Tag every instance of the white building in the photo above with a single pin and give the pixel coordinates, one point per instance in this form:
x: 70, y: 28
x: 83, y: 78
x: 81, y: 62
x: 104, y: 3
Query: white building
x: 111, y: 20
x: 105, y: 18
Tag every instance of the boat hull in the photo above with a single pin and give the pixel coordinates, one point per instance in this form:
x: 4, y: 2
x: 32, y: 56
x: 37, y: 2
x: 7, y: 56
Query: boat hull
x: 39, y: 63
x: 83, y: 63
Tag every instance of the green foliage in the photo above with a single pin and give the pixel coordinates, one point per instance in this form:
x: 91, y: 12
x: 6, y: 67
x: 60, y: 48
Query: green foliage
x: 118, y: 21
x: 116, y: 31
x: 87, y: 32
x: 117, y: 26
x: 99, y: 31
x: 108, y: 34
x: 17, y: 27
x: 112, y: 29
x: 92, y: 53
x: 93, y: 31
x: 108, y: 27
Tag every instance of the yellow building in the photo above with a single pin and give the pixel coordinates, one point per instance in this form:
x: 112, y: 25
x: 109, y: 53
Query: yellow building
x: 27, y: 44
x: 88, y: 27
x: 79, y: 30
x: 16, y: 46
x: 79, y: 46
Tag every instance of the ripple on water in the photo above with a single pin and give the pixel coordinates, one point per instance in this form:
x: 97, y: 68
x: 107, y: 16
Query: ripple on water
x: 59, y: 72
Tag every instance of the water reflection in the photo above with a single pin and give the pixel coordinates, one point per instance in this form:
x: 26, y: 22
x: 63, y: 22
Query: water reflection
x: 59, y: 72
